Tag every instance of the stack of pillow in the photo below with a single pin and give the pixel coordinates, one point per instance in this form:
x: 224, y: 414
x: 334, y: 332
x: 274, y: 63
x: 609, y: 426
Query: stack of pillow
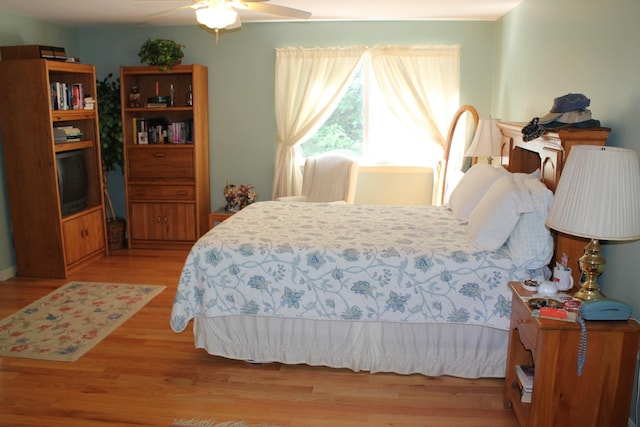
x: 505, y: 208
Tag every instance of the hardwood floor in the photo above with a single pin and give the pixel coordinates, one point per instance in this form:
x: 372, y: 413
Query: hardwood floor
x: 144, y: 374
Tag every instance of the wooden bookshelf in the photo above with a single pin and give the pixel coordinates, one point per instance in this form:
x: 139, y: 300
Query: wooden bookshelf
x: 167, y: 179
x: 46, y: 243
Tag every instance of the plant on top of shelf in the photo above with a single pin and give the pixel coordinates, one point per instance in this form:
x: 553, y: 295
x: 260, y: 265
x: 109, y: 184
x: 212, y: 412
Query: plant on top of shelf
x: 161, y: 52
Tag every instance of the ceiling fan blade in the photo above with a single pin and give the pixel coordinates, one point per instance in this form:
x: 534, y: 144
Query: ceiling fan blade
x: 236, y: 24
x: 161, y: 14
x: 273, y: 9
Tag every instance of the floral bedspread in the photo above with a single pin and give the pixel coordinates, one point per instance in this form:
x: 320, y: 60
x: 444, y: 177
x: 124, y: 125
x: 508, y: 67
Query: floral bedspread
x: 348, y: 262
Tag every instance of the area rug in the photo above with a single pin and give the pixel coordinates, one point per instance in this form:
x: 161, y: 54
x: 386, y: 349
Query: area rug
x: 197, y: 422
x: 71, y: 320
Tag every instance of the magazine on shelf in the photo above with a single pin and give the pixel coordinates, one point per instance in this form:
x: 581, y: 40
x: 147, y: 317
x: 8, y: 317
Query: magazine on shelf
x: 525, y: 377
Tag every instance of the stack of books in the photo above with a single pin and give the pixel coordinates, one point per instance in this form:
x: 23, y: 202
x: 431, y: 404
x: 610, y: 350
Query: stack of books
x: 525, y: 379
x: 66, y: 134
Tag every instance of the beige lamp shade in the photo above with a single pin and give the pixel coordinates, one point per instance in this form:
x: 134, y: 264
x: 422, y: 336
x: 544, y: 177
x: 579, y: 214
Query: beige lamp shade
x: 486, y: 140
x: 598, y: 196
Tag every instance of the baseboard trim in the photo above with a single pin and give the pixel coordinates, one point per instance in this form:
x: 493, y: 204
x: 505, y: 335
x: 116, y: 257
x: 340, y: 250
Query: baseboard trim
x: 7, y: 273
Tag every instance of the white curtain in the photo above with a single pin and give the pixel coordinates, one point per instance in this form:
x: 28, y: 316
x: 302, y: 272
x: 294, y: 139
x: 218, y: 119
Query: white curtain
x: 309, y: 84
x: 421, y: 85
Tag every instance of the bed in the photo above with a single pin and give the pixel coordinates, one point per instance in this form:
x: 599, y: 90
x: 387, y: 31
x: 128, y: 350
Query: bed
x: 419, y: 289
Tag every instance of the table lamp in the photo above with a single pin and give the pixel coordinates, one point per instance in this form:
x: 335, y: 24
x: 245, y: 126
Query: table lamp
x: 486, y: 140
x: 598, y: 197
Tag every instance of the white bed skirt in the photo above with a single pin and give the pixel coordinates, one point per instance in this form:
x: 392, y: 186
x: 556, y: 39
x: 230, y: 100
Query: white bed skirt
x: 461, y: 350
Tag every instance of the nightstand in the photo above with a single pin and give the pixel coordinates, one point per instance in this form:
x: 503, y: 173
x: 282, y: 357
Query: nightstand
x: 600, y: 397
x: 218, y: 215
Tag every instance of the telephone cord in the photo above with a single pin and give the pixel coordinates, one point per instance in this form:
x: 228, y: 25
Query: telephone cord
x: 582, y: 347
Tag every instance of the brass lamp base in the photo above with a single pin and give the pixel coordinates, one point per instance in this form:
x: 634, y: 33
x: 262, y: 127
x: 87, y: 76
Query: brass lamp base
x: 591, y: 265
x: 588, y: 293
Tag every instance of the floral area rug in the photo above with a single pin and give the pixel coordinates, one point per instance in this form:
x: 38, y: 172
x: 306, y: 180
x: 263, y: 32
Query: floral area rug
x: 197, y: 422
x: 65, y: 324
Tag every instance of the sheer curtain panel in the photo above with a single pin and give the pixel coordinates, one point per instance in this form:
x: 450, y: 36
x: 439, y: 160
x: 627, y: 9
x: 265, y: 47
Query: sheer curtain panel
x: 309, y: 84
x: 420, y: 84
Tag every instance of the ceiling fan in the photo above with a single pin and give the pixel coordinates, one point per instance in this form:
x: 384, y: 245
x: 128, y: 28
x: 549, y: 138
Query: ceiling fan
x: 222, y: 14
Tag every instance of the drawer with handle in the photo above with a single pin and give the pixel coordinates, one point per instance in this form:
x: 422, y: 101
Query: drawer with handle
x: 160, y: 192
x: 526, y: 325
x: 144, y: 162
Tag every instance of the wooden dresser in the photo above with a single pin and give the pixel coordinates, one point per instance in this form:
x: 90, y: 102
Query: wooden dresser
x: 549, y: 154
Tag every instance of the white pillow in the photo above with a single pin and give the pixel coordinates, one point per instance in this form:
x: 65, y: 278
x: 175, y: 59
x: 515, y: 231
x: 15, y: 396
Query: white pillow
x: 530, y: 244
x: 537, y: 174
x: 472, y: 186
x: 496, y: 215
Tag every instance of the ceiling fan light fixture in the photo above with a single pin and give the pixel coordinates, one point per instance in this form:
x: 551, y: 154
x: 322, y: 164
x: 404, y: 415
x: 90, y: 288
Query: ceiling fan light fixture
x: 216, y: 16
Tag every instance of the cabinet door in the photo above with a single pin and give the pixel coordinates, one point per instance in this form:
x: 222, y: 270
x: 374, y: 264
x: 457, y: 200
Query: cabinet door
x: 94, y: 225
x: 146, y: 221
x: 181, y: 221
x: 83, y: 236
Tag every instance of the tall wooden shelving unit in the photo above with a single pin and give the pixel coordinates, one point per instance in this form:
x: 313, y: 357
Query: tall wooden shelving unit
x: 167, y: 184
x: 46, y: 243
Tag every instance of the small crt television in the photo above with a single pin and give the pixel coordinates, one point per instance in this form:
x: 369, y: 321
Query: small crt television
x: 73, y: 181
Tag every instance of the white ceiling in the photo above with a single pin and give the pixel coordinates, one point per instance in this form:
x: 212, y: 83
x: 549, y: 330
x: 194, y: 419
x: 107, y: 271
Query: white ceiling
x: 82, y: 13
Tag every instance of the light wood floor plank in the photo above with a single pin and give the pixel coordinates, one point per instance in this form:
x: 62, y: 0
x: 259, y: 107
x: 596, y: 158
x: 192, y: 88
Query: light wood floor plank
x: 144, y: 374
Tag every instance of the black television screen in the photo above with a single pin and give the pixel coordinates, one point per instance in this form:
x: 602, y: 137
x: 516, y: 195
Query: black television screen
x: 72, y: 181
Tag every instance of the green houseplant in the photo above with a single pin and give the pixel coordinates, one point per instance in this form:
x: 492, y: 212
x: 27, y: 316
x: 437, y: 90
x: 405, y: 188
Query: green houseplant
x: 161, y: 52
x: 110, y: 123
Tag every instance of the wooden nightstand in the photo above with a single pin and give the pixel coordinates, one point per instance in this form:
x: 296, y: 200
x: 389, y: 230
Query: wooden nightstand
x: 600, y: 397
x: 218, y: 215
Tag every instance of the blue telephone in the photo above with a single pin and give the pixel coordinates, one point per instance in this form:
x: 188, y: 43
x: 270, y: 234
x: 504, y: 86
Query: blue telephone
x: 605, y: 309
x: 600, y: 309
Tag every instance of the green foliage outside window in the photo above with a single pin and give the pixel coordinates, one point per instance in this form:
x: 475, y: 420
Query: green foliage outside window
x: 344, y: 129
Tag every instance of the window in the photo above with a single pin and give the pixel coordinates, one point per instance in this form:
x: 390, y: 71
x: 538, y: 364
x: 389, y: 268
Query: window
x: 364, y: 126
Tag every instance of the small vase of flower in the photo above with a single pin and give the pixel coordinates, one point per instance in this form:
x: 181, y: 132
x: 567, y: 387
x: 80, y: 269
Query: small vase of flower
x: 238, y: 197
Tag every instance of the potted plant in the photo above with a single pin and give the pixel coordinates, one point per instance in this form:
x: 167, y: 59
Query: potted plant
x: 161, y: 52
x: 110, y: 122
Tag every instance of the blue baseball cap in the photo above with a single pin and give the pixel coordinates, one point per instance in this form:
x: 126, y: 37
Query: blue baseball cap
x: 565, y: 104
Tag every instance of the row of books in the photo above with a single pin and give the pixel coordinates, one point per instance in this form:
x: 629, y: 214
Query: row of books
x: 161, y: 131
x: 524, y: 373
x: 67, y: 96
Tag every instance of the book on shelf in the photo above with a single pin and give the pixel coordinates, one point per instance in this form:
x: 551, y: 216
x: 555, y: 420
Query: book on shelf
x: 77, y: 96
x: 525, y: 377
x: 140, y: 130
x: 525, y: 396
